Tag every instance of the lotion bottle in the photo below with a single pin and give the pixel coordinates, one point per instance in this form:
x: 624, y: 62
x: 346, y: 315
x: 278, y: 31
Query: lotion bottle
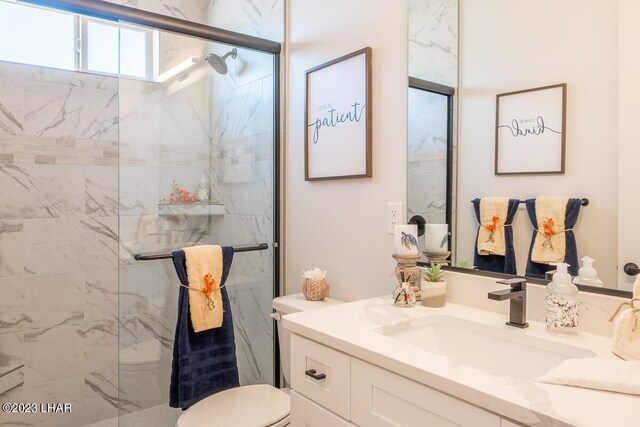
x: 562, y: 302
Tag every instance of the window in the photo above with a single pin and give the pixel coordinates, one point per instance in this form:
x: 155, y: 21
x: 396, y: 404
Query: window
x: 100, y: 47
x: 45, y: 37
x: 112, y: 48
x: 37, y: 36
x: 135, y: 49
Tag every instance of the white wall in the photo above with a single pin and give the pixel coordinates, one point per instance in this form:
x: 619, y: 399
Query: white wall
x: 508, y: 45
x: 340, y: 225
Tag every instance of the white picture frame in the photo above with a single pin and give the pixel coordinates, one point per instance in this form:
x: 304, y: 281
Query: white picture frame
x: 338, y: 118
x: 531, y: 131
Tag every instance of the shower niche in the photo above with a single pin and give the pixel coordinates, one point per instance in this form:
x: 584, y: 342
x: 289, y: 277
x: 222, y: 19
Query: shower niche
x: 194, y: 209
x: 184, y: 202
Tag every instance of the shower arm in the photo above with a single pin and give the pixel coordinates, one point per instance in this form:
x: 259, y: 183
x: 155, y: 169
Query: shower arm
x: 232, y: 53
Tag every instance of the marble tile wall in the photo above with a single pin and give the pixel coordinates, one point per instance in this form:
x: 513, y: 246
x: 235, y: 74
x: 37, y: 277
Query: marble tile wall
x: 260, y: 18
x: 433, y: 41
x: 59, y: 241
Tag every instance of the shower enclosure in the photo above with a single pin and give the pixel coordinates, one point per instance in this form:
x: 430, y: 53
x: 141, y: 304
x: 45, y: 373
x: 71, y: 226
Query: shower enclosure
x: 142, y: 145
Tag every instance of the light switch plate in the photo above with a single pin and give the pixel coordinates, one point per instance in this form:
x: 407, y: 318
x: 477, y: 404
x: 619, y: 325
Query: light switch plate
x: 395, y: 215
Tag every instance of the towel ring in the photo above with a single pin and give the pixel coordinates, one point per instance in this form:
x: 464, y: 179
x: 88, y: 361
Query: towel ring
x: 631, y: 269
x: 420, y: 222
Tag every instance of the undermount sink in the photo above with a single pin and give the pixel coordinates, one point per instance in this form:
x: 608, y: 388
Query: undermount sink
x: 498, y: 351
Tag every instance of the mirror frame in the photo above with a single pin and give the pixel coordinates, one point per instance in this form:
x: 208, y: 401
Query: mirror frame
x: 530, y: 280
x: 533, y: 281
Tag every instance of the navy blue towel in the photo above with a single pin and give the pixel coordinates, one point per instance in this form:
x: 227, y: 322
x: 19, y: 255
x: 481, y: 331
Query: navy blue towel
x: 204, y: 363
x: 537, y: 270
x: 498, y: 263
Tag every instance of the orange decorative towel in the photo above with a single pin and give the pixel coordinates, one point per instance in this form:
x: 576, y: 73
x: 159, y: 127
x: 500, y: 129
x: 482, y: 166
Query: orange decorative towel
x: 204, y: 270
x: 550, y: 243
x: 493, y: 214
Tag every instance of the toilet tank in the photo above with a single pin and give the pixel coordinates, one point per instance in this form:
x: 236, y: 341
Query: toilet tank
x: 292, y: 304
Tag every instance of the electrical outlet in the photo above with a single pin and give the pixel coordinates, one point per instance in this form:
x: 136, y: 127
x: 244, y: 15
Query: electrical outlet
x: 395, y: 215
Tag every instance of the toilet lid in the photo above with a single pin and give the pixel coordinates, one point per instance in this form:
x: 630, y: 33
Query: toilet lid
x: 248, y: 406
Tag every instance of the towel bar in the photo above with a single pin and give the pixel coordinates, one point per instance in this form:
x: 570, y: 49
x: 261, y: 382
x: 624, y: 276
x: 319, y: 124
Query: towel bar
x: 585, y: 201
x: 154, y: 257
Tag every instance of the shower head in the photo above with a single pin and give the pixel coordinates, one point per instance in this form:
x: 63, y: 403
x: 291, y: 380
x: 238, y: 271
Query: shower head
x: 218, y: 62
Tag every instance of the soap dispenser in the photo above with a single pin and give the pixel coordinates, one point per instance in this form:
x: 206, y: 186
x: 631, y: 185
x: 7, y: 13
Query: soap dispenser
x: 562, y: 302
x: 588, y: 275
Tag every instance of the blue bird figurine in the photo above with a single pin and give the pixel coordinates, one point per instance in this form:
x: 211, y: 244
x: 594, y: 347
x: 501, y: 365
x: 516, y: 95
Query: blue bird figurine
x: 444, y: 240
x: 408, y: 240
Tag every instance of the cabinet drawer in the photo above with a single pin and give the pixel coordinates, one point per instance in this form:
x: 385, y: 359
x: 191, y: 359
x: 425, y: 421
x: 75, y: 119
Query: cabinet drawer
x: 380, y: 398
x: 332, y: 391
x: 308, y: 414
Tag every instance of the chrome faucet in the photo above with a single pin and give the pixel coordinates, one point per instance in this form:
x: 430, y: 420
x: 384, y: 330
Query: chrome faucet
x: 517, y: 297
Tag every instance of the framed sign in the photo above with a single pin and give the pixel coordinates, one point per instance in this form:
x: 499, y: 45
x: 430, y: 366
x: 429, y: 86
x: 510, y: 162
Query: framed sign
x: 338, y: 118
x: 531, y: 131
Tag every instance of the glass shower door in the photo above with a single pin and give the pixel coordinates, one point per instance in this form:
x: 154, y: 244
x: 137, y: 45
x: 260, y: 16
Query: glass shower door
x: 196, y: 167
x: 430, y: 150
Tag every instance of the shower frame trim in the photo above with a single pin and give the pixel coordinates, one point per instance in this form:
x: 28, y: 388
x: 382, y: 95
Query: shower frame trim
x: 119, y: 13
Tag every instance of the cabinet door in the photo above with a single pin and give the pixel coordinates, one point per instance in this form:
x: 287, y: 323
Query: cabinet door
x: 305, y: 413
x: 321, y: 374
x: 380, y: 398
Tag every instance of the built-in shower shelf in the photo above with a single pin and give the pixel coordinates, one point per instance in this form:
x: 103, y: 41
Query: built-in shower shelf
x: 193, y: 209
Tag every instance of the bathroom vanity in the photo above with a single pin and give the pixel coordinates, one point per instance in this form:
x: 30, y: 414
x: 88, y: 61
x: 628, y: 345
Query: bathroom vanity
x: 369, y: 363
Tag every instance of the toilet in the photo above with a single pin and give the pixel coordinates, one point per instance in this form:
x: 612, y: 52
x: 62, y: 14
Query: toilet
x: 260, y: 405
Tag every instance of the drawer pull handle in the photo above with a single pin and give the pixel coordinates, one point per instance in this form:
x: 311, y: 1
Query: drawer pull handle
x: 312, y: 373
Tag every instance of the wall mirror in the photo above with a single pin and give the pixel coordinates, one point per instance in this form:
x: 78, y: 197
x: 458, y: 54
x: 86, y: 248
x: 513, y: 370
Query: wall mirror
x: 473, y: 116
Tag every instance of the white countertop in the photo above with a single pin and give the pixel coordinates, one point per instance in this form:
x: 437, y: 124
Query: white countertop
x: 353, y: 328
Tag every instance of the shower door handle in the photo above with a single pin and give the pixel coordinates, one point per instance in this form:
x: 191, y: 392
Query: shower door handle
x: 312, y: 373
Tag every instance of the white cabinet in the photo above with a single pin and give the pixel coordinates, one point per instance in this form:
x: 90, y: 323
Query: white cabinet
x: 321, y: 374
x: 333, y: 389
x: 380, y: 398
x: 309, y: 414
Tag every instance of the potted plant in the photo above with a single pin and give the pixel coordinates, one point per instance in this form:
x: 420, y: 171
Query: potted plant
x: 466, y: 264
x: 433, y: 287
